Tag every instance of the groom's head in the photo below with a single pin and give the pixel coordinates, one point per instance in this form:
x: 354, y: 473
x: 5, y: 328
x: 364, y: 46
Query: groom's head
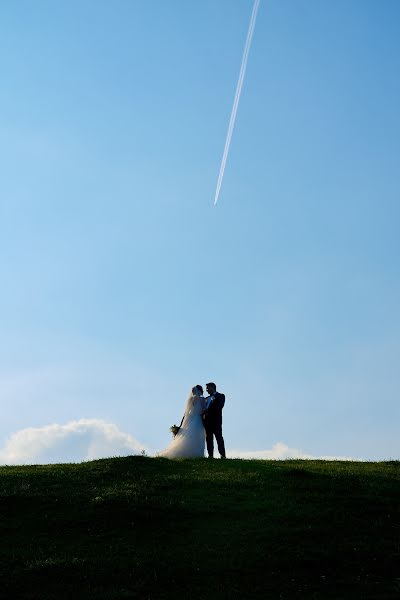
x: 211, y: 388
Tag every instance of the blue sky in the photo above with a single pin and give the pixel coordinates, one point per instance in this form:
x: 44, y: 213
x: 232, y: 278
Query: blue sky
x: 122, y: 286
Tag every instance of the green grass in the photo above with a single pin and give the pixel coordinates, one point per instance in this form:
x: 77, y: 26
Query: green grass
x: 141, y: 527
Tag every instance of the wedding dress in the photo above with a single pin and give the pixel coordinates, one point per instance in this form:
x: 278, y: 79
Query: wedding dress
x: 190, y: 439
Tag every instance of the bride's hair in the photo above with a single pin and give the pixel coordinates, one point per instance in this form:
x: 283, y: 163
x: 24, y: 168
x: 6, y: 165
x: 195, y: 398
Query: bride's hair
x: 196, y: 389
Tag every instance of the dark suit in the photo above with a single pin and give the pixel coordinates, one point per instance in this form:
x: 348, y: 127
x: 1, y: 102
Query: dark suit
x: 212, y: 419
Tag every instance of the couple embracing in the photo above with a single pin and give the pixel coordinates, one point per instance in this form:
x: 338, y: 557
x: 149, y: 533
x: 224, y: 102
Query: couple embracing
x: 201, y: 422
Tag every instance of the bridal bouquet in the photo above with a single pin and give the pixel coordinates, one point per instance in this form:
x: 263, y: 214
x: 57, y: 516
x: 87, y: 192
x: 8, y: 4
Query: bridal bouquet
x: 174, y: 429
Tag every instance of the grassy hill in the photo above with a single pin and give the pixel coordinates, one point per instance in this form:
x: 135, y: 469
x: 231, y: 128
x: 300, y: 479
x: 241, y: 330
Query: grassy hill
x: 141, y: 527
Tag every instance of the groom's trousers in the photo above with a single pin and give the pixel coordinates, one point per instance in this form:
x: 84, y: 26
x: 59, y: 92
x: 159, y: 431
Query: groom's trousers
x: 210, y: 432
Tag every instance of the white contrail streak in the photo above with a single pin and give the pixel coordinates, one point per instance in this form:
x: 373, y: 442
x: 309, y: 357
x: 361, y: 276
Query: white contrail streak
x: 237, y: 97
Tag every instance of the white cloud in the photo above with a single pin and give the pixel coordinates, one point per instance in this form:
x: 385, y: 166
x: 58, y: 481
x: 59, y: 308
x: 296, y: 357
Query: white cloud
x: 280, y: 451
x: 88, y: 439
x: 85, y: 439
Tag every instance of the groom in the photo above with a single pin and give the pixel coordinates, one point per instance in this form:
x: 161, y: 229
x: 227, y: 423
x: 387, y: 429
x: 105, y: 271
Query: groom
x: 212, y: 419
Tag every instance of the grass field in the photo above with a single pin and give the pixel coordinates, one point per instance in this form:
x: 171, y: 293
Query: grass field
x: 141, y: 527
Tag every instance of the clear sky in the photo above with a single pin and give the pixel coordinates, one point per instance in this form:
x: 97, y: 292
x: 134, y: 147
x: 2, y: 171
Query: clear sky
x: 122, y: 286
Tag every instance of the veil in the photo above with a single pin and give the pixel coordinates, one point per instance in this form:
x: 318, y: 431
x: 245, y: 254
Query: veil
x: 190, y: 402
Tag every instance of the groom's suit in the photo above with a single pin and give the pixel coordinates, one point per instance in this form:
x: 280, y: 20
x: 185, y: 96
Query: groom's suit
x: 212, y: 419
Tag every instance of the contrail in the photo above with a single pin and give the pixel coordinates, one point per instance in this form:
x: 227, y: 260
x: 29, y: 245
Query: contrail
x: 237, y: 97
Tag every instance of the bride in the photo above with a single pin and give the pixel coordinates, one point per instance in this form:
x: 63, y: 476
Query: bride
x: 189, y: 441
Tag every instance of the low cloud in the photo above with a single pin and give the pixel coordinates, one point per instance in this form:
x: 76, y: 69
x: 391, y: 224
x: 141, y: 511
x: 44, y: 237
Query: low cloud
x: 281, y: 451
x: 89, y: 439
x: 85, y: 439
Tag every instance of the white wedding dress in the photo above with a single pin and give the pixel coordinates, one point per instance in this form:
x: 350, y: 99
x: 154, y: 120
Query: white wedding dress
x: 190, y: 439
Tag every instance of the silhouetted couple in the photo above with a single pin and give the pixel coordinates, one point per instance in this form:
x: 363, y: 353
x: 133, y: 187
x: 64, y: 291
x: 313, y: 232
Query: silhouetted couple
x: 201, y: 422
